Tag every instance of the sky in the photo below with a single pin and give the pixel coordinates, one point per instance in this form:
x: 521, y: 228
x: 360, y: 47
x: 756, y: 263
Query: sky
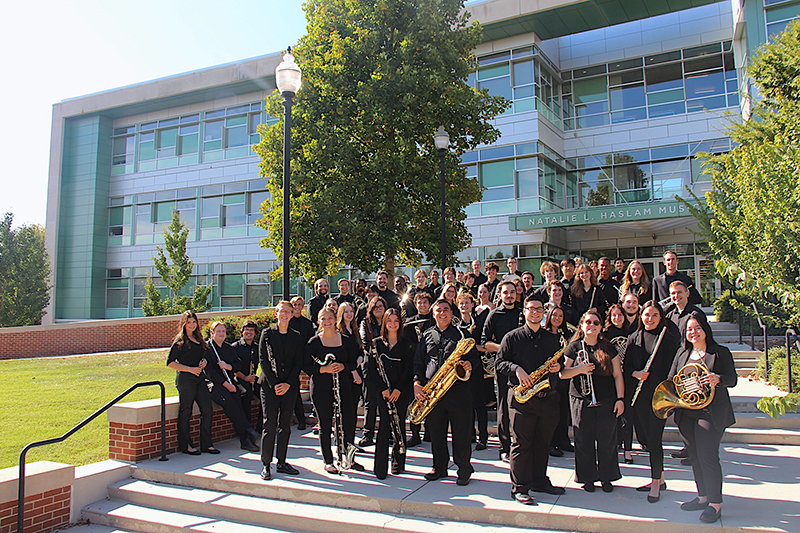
x: 59, y: 49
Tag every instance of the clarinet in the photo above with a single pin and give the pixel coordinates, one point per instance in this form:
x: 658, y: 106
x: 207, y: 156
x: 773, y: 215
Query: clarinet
x: 398, y: 428
x: 345, y: 458
x: 271, y: 359
x: 242, y: 390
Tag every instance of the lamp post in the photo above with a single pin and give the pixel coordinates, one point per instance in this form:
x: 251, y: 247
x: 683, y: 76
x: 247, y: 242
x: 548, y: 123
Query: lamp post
x: 442, y: 141
x: 288, y: 80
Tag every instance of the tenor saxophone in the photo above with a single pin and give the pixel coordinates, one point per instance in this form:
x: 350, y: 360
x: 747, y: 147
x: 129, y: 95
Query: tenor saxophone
x: 524, y: 393
x: 440, y: 383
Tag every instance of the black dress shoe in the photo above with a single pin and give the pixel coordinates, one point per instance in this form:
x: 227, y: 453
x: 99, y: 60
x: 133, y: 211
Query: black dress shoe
x: 433, y: 475
x: 248, y: 444
x: 480, y: 446
x: 710, y: 515
x: 653, y: 499
x: 366, y: 441
x: 211, y: 450
x: 646, y: 488
x: 358, y: 467
x: 680, y: 454
x: 555, y: 452
x: 589, y: 487
x: 301, y: 427
x: 266, y: 474
x: 550, y: 489
x: 462, y: 481
x: 413, y: 441
x: 380, y: 476
x: 396, y: 470
x: 193, y: 452
x: 694, y: 505
x: 607, y: 486
x: 426, y: 437
x: 286, y: 468
x: 523, y: 498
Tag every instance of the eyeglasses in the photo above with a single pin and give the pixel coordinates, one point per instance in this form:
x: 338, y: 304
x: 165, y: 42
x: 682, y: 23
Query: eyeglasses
x: 592, y: 322
x: 535, y: 309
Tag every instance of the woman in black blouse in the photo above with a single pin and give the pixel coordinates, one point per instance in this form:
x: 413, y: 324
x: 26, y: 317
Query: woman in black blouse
x: 187, y: 358
x: 702, y: 429
x: 616, y: 332
x: 396, y: 354
x: 586, y: 293
x: 649, y: 428
x: 330, y: 341
x: 596, y: 394
x: 636, y: 282
x: 370, y: 330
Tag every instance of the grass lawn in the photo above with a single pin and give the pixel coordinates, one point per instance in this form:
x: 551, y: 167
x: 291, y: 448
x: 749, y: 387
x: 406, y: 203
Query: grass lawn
x: 45, y: 398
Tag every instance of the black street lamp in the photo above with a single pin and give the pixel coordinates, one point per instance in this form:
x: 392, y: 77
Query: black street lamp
x: 288, y: 80
x: 442, y: 141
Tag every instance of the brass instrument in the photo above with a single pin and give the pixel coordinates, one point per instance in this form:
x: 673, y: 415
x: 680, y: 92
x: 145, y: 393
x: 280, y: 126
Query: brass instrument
x: 435, y: 389
x: 620, y: 343
x: 689, y: 389
x: 522, y: 393
x: 488, y: 360
x: 345, y: 451
x: 586, y: 381
x: 663, y: 302
x: 648, y: 363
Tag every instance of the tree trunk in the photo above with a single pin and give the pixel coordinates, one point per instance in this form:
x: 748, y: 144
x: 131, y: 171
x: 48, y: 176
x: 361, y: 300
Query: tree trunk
x: 388, y: 266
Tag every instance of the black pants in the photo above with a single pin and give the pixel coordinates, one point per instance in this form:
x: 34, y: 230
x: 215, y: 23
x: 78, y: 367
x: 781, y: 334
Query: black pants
x: 247, y: 399
x: 702, y: 443
x: 595, y: 442
x: 371, y: 401
x: 479, y: 405
x: 299, y: 411
x: 455, y: 409
x: 651, y: 428
x: 384, y: 432
x: 625, y: 431
x: 323, y: 399
x: 277, y: 422
x: 193, y: 389
x: 503, y: 416
x: 532, y: 427
x: 561, y: 434
x: 232, y: 406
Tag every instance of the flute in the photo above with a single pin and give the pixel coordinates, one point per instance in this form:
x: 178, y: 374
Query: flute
x: 647, y: 365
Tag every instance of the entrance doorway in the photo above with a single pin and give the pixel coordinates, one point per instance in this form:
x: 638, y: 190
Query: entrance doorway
x: 653, y: 267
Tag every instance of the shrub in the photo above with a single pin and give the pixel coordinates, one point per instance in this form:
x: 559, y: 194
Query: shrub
x: 234, y: 324
x: 725, y: 309
x: 777, y: 368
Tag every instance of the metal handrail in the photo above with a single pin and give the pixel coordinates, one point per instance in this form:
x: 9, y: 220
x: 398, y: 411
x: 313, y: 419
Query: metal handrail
x: 766, y: 345
x: 790, y: 333
x: 65, y: 436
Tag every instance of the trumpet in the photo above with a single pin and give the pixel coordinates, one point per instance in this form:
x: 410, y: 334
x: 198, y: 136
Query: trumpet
x: 586, y: 381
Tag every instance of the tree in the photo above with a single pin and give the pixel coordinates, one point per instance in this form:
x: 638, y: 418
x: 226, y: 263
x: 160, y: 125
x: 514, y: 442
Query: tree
x: 25, y: 280
x: 752, y: 216
x: 379, y: 77
x: 175, y: 276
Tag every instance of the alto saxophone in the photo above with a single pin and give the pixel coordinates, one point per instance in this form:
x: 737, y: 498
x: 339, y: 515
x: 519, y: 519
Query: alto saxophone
x: 435, y: 389
x: 524, y: 393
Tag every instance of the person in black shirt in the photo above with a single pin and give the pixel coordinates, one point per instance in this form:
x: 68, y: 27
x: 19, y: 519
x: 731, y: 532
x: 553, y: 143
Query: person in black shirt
x: 661, y: 283
x: 305, y: 327
x: 472, y: 326
x: 281, y: 358
x: 500, y: 321
x: 344, y: 292
x: 414, y: 327
x: 630, y: 304
x: 225, y: 392
x: 527, y: 283
x: 390, y: 297
x: 609, y: 285
x: 636, y: 282
x: 616, y: 332
x: 480, y: 278
x: 392, y: 385
x: 557, y: 324
x: 523, y: 351
x: 641, y: 345
x: 247, y: 353
x: 680, y: 310
x: 421, y: 278
x: 556, y: 298
x: 597, y: 398
x: 434, y: 287
x: 187, y: 358
x: 318, y: 301
x: 455, y: 407
x: 491, y: 279
x: 568, y: 269
x: 369, y: 330
x: 512, y: 264
x: 619, y: 269
x: 586, y: 293
x: 549, y: 272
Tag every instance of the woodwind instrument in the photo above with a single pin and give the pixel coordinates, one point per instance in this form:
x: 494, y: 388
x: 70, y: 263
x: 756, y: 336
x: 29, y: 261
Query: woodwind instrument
x: 398, y: 426
x: 524, y: 393
x: 649, y: 362
x: 238, y: 385
x: 345, y: 451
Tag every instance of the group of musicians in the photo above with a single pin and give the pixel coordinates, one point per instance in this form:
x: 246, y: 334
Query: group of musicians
x: 598, y: 365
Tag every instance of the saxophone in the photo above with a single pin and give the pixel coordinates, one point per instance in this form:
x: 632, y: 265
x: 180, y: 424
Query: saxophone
x: 440, y: 383
x: 522, y: 393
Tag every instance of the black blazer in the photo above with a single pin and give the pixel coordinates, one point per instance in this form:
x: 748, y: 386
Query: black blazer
x: 288, y: 363
x: 720, y: 361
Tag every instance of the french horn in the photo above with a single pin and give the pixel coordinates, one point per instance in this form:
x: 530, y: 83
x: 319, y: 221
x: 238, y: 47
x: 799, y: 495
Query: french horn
x: 689, y: 389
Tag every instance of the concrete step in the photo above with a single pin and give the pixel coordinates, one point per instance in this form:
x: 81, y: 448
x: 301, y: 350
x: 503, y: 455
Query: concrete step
x: 83, y: 527
x: 159, y: 508
x: 790, y: 437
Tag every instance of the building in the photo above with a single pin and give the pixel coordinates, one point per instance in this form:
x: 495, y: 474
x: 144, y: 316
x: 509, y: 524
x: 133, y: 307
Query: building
x: 612, y: 102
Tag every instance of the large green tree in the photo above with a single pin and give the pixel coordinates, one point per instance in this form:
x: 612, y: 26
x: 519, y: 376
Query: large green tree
x: 752, y: 217
x: 379, y: 77
x: 25, y: 278
x: 175, y: 276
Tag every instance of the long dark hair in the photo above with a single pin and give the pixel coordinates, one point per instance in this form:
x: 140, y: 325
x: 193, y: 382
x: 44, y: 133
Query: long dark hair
x: 385, y: 332
x: 657, y: 306
x: 371, y: 308
x: 610, y: 324
x: 182, y: 338
x: 711, y: 344
x: 604, y: 349
x: 577, y: 289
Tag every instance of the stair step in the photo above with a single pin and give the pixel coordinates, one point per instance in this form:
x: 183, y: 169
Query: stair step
x: 144, y: 506
x: 746, y: 436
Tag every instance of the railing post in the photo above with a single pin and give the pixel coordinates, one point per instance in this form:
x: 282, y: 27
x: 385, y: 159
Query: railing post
x: 163, y: 423
x: 752, y: 334
x: 790, y: 333
x: 739, y: 324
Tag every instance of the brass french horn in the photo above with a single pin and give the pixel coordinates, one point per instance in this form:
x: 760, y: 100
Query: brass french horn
x: 689, y: 389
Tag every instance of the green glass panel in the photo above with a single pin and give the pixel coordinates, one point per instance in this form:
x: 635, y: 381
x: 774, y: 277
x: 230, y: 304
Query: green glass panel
x: 144, y: 239
x: 528, y: 205
x: 116, y: 216
x: 212, y: 145
x: 187, y: 160
x: 216, y: 155
x: 521, y: 106
x: 237, y: 121
x: 498, y: 208
x: 782, y: 13
x: 211, y: 233
x: 258, y: 296
x: 229, y: 199
x: 242, y: 151
x: 164, y: 211
x: 115, y: 240
x: 590, y: 90
x: 168, y: 138
x: 674, y: 95
x: 523, y: 73
x: 209, y: 222
x: 231, y: 284
x: 147, y: 151
x: 236, y: 231
x: 473, y: 210
x: 188, y: 144
x: 255, y: 231
x: 238, y: 136
x: 494, y: 71
x: 497, y: 173
x: 117, y: 283
x: 213, y: 131
x: 170, y: 162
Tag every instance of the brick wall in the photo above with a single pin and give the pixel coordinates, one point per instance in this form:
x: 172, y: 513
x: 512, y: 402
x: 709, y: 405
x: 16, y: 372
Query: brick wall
x: 96, y: 336
x: 43, y: 512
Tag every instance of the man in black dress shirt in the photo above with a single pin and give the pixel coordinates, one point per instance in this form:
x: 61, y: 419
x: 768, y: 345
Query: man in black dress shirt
x: 247, y: 351
x: 568, y: 269
x: 500, y: 321
x: 619, y: 270
x: 549, y: 272
x: 344, y: 292
x: 281, y: 356
x: 318, y: 301
x: 391, y: 297
x: 480, y: 278
x: 532, y: 423
x: 491, y: 279
x: 680, y: 310
x: 305, y: 327
x: 455, y: 407
x: 609, y: 285
x: 662, y: 282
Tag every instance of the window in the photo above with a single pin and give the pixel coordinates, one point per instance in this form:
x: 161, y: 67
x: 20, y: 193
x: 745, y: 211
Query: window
x: 119, y: 225
x: 779, y: 14
x: 123, y: 149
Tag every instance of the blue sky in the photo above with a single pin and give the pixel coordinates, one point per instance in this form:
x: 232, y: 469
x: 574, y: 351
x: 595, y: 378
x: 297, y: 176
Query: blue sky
x: 55, y: 50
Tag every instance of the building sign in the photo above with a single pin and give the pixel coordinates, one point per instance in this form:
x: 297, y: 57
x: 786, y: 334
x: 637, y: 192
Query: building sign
x: 598, y: 215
